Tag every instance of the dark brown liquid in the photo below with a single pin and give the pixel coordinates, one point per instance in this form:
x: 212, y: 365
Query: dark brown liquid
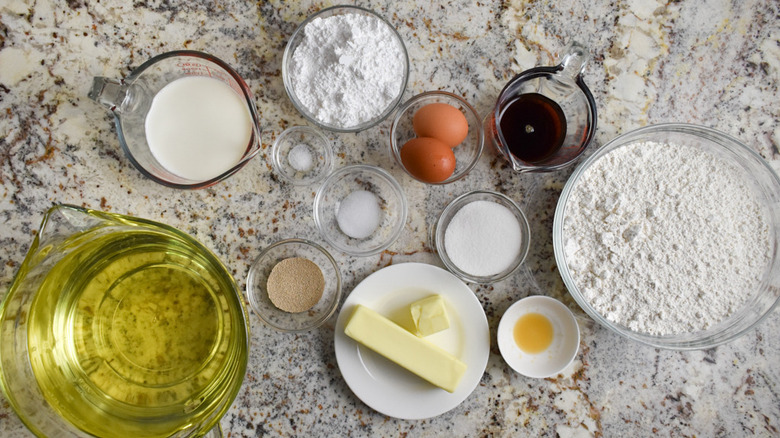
x: 533, y: 127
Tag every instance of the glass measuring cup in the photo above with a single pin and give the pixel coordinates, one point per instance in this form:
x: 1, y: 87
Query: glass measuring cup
x: 518, y: 122
x: 120, y: 326
x: 131, y: 98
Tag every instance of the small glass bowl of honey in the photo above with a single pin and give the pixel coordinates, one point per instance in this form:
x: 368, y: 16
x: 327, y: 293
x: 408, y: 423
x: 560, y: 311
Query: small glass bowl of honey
x: 538, y: 336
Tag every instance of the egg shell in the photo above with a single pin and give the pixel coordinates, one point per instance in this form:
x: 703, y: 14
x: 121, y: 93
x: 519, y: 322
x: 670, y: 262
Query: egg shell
x: 428, y: 159
x: 441, y: 121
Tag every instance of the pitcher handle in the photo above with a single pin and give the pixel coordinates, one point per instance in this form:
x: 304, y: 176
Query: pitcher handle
x: 215, y: 432
x: 108, y: 92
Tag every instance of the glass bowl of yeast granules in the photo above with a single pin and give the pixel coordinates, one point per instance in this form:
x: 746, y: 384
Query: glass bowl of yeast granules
x: 667, y: 236
x: 345, y: 68
x: 294, y: 285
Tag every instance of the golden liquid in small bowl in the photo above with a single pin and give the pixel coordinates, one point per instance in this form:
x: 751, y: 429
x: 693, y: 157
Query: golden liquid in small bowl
x: 137, y: 333
x: 533, y: 333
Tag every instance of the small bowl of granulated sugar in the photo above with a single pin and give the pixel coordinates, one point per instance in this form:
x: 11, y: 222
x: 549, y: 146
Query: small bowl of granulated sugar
x: 345, y: 68
x: 481, y: 236
x: 294, y: 285
x: 668, y: 235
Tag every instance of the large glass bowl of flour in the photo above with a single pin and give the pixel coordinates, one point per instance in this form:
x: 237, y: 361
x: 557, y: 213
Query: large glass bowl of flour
x: 668, y: 235
x: 345, y: 68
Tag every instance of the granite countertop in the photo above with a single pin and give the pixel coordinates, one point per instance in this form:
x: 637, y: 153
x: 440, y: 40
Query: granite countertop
x: 714, y: 63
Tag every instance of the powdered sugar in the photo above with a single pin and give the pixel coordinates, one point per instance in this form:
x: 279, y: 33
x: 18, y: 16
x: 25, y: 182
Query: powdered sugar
x: 348, y: 69
x: 665, y: 239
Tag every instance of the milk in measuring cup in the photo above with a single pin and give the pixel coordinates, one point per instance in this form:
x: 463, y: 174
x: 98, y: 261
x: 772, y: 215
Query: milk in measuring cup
x: 198, y: 127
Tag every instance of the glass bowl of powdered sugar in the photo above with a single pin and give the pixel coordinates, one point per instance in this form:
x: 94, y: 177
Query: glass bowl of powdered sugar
x: 345, y: 68
x: 668, y: 236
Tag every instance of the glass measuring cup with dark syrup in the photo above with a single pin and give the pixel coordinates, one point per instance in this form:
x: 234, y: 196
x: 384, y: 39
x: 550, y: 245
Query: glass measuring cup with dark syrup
x: 544, y: 117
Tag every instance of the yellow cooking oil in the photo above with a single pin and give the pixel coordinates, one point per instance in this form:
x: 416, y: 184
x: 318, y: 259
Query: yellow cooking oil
x: 137, y: 333
x: 533, y: 333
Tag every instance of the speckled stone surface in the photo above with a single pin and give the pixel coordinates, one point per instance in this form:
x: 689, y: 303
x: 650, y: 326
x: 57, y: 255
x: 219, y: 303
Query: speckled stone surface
x: 715, y: 63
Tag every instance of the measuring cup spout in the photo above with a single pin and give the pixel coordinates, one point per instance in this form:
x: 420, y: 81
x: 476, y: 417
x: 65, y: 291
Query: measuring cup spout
x: 574, y: 59
x: 63, y: 221
x: 108, y: 92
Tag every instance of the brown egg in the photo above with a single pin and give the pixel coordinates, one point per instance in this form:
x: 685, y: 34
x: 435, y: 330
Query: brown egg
x: 441, y: 121
x: 428, y: 159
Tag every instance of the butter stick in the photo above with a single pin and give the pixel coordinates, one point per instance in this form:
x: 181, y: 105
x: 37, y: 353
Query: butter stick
x: 417, y: 355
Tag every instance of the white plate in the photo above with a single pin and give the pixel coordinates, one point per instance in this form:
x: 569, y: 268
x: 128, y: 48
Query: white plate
x: 387, y: 387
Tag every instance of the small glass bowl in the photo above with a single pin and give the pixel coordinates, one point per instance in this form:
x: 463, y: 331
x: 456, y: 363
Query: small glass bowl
x: 295, y: 41
x: 560, y: 353
x: 257, y: 294
x: 319, y: 149
x: 766, y: 187
x: 440, y: 228
x: 342, y: 183
x: 466, y: 154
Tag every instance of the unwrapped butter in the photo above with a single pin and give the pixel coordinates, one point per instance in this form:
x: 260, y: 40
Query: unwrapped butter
x: 417, y: 355
x: 429, y: 315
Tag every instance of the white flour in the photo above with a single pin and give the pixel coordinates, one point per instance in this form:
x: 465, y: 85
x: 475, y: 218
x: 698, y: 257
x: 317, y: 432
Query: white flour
x: 665, y: 239
x: 347, y: 69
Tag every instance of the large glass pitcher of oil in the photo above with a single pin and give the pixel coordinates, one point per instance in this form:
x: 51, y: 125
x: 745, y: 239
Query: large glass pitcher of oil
x: 118, y: 326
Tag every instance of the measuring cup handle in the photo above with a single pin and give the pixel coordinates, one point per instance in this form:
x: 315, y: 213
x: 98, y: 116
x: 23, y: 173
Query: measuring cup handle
x: 108, y: 92
x: 215, y: 432
x: 574, y: 59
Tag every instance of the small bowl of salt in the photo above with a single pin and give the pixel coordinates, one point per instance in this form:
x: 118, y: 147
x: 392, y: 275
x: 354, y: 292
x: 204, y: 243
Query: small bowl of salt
x: 481, y: 236
x: 302, y: 155
x: 360, y: 210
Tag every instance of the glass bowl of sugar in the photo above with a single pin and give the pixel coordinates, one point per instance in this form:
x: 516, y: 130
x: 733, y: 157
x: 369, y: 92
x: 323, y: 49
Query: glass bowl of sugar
x: 345, y: 68
x: 481, y: 236
x: 294, y: 285
x: 360, y: 210
x: 668, y: 235
x: 302, y: 155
